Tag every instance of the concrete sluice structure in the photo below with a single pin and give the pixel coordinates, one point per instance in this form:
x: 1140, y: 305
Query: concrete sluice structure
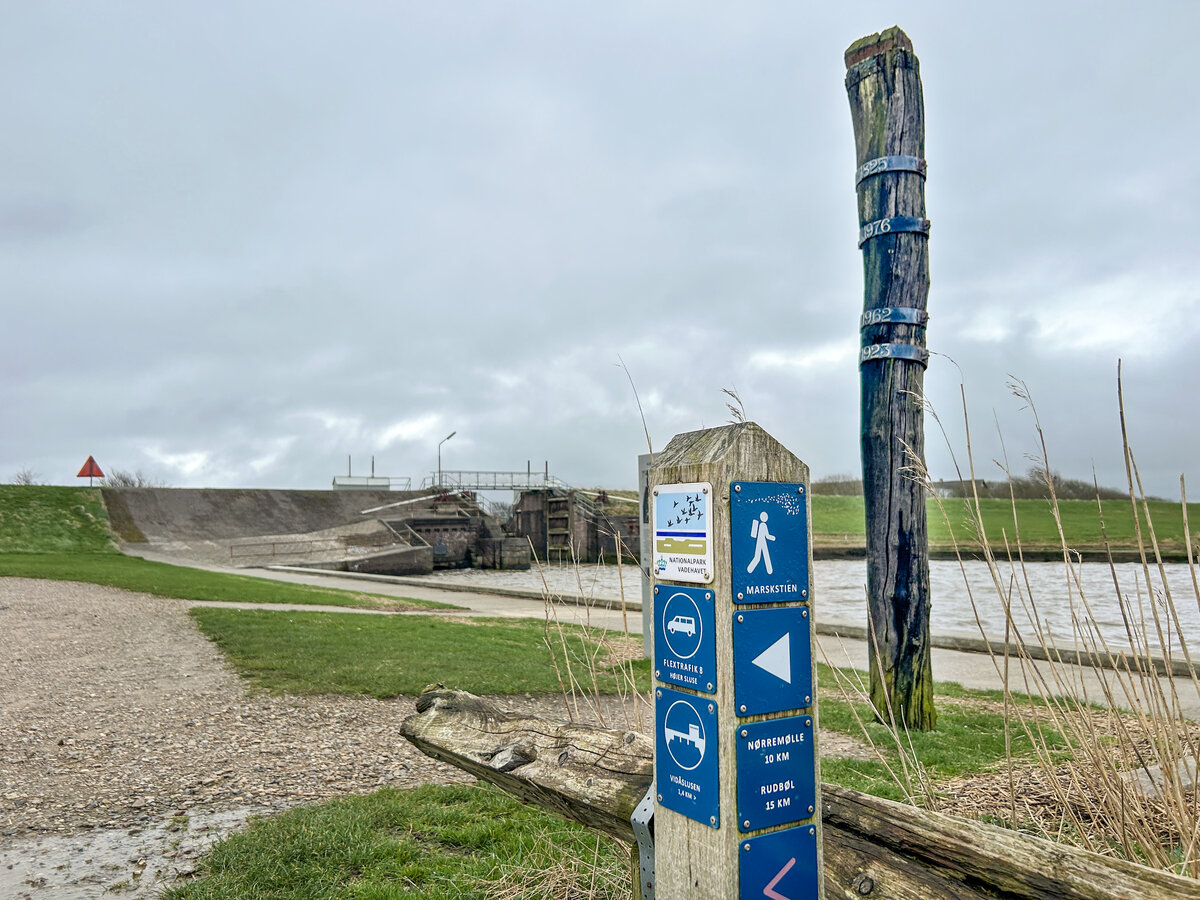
x: 381, y: 532
x: 570, y: 525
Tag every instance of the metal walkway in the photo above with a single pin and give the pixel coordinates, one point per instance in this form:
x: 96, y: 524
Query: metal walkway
x: 459, y: 480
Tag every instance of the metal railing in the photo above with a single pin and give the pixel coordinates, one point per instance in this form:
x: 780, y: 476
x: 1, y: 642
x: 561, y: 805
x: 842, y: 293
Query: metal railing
x: 382, y: 482
x: 462, y: 480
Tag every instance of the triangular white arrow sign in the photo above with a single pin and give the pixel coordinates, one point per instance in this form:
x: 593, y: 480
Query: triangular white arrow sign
x: 777, y: 659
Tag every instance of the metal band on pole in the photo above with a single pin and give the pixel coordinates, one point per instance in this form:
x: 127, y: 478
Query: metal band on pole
x: 894, y: 224
x: 882, y: 164
x: 893, y: 315
x: 874, y: 352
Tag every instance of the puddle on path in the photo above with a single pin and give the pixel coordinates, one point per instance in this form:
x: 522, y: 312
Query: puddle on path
x: 128, y: 863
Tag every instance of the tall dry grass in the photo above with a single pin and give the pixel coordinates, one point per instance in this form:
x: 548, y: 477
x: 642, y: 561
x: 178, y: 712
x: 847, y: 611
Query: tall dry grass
x: 550, y: 871
x: 579, y: 666
x: 604, y: 875
x: 1126, y: 783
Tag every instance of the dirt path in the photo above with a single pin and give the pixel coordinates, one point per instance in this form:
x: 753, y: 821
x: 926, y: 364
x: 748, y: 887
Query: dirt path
x: 116, y: 714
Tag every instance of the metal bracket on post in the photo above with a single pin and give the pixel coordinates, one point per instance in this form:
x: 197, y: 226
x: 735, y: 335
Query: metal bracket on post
x: 643, y: 829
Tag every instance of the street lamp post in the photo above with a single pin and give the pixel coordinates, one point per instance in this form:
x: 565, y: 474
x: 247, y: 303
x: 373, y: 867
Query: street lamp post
x: 442, y: 441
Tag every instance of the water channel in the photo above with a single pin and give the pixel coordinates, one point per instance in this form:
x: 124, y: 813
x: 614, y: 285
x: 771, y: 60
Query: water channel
x: 964, y: 598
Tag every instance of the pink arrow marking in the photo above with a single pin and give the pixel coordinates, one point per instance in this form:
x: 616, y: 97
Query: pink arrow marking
x: 769, y: 890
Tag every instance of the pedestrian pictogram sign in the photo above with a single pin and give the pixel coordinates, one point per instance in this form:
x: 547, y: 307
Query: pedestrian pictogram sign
x: 768, y: 523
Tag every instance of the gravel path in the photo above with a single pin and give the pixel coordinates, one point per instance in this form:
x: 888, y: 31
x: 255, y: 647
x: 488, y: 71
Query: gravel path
x: 116, y: 713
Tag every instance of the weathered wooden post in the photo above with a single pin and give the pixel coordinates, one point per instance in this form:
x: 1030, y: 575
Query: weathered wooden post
x: 736, y: 765
x: 883, y: 81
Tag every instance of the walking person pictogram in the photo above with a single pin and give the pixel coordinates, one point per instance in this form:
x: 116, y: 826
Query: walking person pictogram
x: 759, y: 530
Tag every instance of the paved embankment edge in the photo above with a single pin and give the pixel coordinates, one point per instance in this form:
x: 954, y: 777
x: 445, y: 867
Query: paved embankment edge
x: 466, y: 588
x: 1068, y: 654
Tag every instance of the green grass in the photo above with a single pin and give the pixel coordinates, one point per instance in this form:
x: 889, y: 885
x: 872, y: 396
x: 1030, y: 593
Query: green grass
x: 386, y: 656
x: 432, y: 842
x: 446, y: 842
x: 969, y: 737
x: 837, y: 516
x: 183, y: 583
x: 328, y: 653
x: 834, y: 518
x: 1081, y: 522
x: 967, y: 740
x: 40, y: 519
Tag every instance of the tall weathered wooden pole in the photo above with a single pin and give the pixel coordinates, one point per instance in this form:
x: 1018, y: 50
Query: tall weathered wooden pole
x: 883, y: 81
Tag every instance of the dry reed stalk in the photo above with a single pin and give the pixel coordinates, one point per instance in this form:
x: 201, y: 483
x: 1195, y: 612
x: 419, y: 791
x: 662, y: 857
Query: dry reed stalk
x: 854, y: 693
x: 551, y: 614
x: 592, y: 649
x: 581, y: 688
x: 1088, y: 794
x: 627, y: 684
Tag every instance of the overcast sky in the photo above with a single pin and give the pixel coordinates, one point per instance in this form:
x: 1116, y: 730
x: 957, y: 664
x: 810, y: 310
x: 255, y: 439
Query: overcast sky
x: 242, y: 241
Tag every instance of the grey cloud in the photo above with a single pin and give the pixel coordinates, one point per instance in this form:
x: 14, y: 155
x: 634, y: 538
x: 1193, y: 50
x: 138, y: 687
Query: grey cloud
x: 268, y: 234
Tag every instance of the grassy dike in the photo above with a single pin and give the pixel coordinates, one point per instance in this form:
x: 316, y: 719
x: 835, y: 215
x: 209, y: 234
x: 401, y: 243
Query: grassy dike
x: 839, y: 525
x: 63, y: 534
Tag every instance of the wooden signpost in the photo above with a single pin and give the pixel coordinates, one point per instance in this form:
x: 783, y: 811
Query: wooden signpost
x: 737, y: 811
x: 883, y: 81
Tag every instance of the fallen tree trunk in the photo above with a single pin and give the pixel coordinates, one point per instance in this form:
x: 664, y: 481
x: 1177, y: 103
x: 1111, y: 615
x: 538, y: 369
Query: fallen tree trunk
x: 873, y: 848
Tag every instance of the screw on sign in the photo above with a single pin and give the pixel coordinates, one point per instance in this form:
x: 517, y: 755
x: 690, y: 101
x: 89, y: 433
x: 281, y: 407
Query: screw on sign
x: 781, y: 865
x: 686, y: 755
x: 685, y: 650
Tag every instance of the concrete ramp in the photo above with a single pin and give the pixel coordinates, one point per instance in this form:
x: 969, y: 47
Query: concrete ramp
x: 156, y: 515
x: 249, y: 528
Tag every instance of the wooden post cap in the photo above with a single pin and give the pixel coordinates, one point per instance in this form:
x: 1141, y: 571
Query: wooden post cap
x: 876, y: 44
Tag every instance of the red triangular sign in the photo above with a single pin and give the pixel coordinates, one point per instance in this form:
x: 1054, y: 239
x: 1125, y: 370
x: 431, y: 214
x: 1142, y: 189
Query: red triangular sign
x: 90, y: 470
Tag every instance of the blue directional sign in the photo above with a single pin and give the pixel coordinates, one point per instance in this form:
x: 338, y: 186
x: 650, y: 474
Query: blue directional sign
x: 772, y: 660
x: 685, y: 643
x: 685, y: 755
x: 776, y: 772
x: 781, y: 865
x: 768, y: 523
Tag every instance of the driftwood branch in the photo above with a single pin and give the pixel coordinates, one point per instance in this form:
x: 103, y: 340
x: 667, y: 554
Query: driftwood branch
x: 874, y: 848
